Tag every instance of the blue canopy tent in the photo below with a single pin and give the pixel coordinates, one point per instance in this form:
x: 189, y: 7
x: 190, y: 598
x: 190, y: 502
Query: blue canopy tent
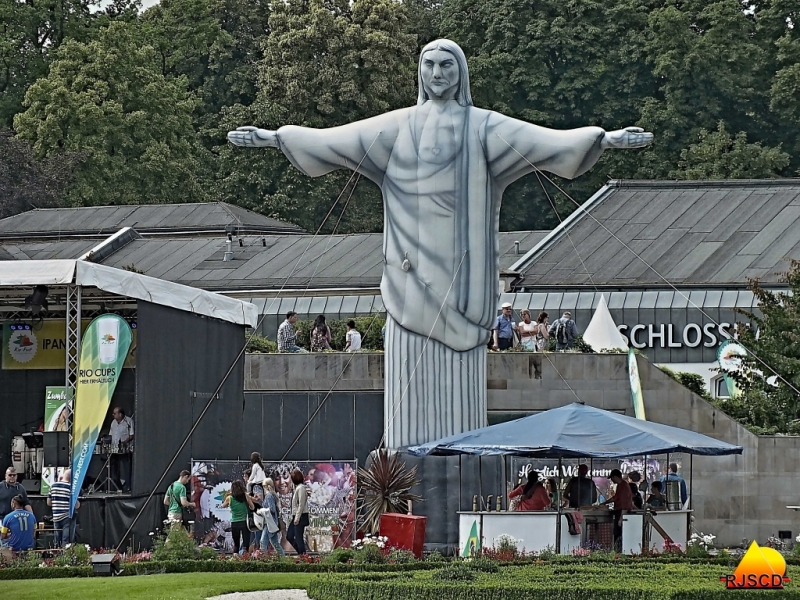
x: 575, y: 431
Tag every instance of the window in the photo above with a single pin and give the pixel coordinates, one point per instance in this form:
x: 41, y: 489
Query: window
x: 720, y: 388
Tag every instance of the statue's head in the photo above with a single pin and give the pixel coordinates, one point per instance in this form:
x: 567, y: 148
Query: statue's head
x: 443, y: 73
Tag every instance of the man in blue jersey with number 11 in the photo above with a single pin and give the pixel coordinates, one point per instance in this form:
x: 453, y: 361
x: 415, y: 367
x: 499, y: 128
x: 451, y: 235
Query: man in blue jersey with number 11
x: 18, y: 526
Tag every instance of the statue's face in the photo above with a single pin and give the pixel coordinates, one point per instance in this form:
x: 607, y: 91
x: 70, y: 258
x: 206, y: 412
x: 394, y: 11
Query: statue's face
x: 440, y: 74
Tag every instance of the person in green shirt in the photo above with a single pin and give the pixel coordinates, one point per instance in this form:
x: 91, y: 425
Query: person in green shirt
x: 239, y: 501
x: 176, y: 499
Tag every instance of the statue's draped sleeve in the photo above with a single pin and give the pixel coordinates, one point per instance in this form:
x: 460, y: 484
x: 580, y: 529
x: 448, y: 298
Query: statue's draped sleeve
x: 363, y: 146
x: 514, y: 147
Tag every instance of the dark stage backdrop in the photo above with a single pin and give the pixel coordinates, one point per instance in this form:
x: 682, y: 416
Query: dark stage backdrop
x: 348, y: 426
x: 22, y: 402
x: 181, y: 359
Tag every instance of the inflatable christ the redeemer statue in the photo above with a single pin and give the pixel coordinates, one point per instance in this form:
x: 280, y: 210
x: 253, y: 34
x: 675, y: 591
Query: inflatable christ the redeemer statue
x: 442, y: 167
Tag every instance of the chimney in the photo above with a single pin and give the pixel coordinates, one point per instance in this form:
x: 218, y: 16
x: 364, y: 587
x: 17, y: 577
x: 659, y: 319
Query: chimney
x: 516, y: 247
x: 228, y: 252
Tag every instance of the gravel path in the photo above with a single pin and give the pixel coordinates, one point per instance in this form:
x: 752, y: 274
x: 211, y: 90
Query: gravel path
x: 265, y: 595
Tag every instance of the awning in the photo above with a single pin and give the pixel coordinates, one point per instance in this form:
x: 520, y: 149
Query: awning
x: 128, y: 284
x: 575, y: 431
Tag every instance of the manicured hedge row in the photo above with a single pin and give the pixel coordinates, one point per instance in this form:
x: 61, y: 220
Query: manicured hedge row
x: 153, y: 567
x: 44, y: 572
x: 622, y: 581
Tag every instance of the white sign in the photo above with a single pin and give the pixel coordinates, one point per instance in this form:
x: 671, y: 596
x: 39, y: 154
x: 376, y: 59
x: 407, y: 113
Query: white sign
x: 667, y: 335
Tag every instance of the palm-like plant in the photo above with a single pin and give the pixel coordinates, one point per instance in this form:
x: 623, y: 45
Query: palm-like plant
x: 384, y: 488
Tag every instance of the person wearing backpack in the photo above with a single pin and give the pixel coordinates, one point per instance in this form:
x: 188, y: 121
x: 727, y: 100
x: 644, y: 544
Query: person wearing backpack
x: 565, y: 331
x: 176, y: 499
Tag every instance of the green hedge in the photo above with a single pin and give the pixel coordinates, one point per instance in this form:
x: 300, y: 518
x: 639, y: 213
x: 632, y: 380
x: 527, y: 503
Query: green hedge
x: 153, y: 567
x: 580, y: 581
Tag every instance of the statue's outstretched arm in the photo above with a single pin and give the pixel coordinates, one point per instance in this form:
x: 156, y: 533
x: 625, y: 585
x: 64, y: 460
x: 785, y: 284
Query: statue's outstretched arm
x: 253, y: 137
x: 630, y: 137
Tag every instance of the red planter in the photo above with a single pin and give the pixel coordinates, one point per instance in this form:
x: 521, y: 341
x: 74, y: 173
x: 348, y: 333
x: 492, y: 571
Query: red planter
x: 404, y: 531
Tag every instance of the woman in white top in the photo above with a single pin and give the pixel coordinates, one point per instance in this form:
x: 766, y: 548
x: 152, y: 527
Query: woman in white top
x: 527, y: 331
x: 297, y: 526
x: 257, y: 476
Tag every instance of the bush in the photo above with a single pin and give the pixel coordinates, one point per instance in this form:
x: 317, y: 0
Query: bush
x: 576, y: 580
x: 76, y: 555
x: 369, y: 555
x: 401, y: 557
x: 338, y: 556
x: 177, y: 544
x: 258, y: 344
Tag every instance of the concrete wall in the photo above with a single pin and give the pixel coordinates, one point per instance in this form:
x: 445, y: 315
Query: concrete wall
x: 734, y: 497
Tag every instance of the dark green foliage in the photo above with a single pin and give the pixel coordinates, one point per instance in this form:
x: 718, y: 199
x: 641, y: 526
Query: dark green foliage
x: 769, y: 402
x: 176, y: 544
x: 258, y: 344
x: 147, y: 98
x: 458, y: 571
x: 692, y: 381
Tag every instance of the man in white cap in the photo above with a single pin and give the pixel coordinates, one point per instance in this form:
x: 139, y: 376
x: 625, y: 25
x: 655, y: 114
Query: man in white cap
x: 503, y: 330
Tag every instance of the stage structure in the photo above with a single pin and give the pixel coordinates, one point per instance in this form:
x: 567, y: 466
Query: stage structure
x: 442, y: 167
x: 185, y: 341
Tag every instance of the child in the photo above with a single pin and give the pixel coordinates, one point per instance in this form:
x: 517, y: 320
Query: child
x: 353, y: 338
x: 656, y: 498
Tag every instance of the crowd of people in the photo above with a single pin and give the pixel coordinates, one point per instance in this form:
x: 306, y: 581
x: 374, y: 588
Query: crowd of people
x: 254, y: 505
x: 532, y: 336
x: 630, y: 493
x: 320, y: 336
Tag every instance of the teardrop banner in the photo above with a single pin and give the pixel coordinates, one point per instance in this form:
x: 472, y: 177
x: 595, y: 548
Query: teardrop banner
x: 636, y: 385
x: 730, y: 355
x: 104, y: 347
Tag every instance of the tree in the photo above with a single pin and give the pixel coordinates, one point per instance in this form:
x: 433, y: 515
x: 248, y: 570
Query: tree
x: 560, y: 65
x: 109, y: 99
x: 31, y: 31
x: 326, y: 63
x: 718, y: 155
x: 27, y: 183
x: 770, y: 376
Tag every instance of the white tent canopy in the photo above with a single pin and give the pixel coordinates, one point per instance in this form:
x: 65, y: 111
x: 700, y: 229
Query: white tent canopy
x: 128, y: 284
x: 602, y: 332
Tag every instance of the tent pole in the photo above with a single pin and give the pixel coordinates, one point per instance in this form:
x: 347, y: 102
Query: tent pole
x: 645, y: 541
x: 691, y: 471
x: 558, y: 513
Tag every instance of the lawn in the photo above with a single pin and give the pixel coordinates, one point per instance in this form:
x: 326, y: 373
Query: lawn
x: 146, y: 587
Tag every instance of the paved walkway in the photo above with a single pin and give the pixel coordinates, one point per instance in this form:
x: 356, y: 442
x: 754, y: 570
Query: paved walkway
x: 265, y: 595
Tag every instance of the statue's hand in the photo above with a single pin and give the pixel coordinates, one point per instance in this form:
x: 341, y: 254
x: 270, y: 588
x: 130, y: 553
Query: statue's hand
x: 253, y: 137
x: 630, y: 137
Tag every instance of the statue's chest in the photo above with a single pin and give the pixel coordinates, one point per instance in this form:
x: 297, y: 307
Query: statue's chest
x: 438, y: 137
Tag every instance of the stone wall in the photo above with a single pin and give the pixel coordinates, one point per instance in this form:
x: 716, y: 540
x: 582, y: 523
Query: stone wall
x: 734, y: 497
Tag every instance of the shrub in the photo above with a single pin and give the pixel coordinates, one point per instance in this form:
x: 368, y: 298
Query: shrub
x: 258, y: 344
x: 369, y: 555
x: 176, y: 544
x: 75, y: 555
x: 457, y: 571
x: 483, y: 564
x: 338, y: 556
x: 401, y: 557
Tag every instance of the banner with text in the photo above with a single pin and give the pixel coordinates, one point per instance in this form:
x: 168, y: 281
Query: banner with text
x: 331, y: 500
x: 730, y: 355
x: 104, y: 347
x: 636, y: 385
x: 56, y: 402
x: 43, y: 347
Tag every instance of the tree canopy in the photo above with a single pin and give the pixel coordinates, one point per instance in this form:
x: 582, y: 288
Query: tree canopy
x: 147, y: 97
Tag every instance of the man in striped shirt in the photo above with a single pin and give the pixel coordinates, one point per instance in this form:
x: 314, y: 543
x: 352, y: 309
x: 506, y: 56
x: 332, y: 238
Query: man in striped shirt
x: 59, y: 499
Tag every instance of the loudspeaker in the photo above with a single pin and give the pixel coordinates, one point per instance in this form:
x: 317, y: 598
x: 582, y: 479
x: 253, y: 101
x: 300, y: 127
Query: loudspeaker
x: 105, y: 564
x: 56, y: 449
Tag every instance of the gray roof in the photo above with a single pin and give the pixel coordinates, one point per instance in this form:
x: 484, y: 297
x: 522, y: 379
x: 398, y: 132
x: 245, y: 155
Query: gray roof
x: 704, y: 233
x: 353, y: 261
x: 98, y: 221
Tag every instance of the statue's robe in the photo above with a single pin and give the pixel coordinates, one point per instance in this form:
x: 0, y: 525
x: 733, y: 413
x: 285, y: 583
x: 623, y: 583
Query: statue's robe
x: 442, y: 169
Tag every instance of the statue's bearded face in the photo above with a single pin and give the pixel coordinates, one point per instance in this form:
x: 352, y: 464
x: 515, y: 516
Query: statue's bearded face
x: 440, y: 74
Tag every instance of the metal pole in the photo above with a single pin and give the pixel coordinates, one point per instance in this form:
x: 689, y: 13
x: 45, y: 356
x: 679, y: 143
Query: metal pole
x: 645, y: 542
x: 691, y: 471
x: 73, y: 313
x: 558, y: 513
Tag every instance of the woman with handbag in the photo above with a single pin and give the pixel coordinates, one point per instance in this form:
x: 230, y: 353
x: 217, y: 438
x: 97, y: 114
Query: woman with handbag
x: 271, y: 533
x: 239, y: 502
x: 257, y: 475
x: 299, y: 522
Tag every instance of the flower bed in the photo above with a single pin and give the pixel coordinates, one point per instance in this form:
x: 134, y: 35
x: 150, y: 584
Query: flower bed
x: 626, y: 580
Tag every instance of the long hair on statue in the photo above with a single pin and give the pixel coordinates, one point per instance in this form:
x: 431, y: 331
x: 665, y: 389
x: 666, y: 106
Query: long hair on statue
x: 463, y: 95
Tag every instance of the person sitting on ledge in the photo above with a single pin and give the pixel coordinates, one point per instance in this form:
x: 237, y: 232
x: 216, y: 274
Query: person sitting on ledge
x: 533, y: 495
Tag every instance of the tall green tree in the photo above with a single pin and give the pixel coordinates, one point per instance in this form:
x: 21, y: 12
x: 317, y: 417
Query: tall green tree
x: 109, y: 99
x: 326, y: 63
x: 770, y: 376
x: 32, y: 30
x: 719, y: 155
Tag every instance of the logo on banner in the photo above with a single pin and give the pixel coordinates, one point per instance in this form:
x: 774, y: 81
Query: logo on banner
x: 759, y: 569
x: 218, y: 495
x: 730, y: 355
x: 22, y: 344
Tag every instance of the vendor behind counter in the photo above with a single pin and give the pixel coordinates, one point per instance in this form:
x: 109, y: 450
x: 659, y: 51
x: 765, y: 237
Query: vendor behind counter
x: 531, y: 496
